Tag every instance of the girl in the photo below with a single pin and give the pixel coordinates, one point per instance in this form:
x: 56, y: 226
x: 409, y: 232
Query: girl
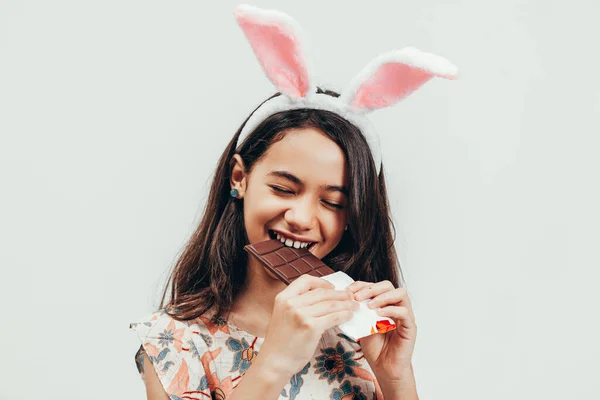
x: 304, y: 168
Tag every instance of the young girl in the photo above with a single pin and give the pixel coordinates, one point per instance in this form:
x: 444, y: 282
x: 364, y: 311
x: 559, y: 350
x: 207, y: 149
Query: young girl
x: 305, y: 169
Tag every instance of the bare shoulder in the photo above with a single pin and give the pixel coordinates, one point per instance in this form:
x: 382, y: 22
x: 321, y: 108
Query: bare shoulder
x: 154, y: 389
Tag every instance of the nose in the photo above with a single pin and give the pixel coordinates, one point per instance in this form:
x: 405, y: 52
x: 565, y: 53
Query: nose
x: 301, y: 216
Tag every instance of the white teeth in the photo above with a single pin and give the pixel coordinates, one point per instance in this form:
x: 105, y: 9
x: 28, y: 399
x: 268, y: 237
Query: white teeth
x: 291, y: 243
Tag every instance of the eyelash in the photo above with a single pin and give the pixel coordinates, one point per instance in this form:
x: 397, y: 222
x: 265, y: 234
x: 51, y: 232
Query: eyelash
x: 280, y: 190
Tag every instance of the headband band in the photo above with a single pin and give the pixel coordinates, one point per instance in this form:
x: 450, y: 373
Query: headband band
x: 276, y: 41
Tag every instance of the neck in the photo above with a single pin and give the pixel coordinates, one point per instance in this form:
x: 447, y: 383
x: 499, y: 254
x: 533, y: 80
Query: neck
x: 253, y: 307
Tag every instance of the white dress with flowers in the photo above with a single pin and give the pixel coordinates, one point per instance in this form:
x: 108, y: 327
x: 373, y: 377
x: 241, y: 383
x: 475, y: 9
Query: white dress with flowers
x: 200, y: 360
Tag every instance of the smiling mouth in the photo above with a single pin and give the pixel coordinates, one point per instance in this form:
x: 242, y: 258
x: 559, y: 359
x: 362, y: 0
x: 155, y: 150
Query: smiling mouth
x: 289, y: 242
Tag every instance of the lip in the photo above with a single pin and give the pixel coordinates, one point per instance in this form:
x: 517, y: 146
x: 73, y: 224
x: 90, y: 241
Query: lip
x: 294, y: 237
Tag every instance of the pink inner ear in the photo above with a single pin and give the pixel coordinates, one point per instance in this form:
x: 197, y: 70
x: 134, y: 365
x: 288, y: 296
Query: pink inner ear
x: 390, y: 83
x: 279, y: 55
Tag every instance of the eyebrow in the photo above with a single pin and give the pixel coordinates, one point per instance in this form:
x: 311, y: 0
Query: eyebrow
x: 295, y: 179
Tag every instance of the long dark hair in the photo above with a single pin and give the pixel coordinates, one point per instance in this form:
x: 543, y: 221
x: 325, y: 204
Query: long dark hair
x: 212, y: 267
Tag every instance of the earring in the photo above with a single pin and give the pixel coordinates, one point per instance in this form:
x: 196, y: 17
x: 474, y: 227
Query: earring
x: 234, y: 192
x: 346, y: 228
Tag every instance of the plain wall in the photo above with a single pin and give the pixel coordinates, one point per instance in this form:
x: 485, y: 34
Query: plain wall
x: 114, y: 113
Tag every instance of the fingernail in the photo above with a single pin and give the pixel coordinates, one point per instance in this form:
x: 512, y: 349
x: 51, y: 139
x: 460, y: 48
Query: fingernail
x: 371, y: 304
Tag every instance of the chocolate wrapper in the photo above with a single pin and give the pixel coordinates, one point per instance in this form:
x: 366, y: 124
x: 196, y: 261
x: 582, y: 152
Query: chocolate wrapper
x: 365, y: 321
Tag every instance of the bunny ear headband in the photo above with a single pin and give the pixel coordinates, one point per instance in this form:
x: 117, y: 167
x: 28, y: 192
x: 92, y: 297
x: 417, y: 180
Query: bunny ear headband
x: 276, y: 41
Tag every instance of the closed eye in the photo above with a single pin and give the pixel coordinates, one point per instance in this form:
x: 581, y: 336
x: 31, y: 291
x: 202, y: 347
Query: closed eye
x: 280, y: 190
x: 288, y: 192
x: 338, y: 206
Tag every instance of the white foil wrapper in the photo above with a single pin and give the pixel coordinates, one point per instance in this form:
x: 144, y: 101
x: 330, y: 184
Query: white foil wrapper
x: 365, y: 321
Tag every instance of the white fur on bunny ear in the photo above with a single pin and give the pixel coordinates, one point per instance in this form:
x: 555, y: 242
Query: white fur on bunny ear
x: 393, y: 76
x: 275, y: 40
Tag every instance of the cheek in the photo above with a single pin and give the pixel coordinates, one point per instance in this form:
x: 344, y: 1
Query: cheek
x: 261, y: 207
x: 335, y: 236
x: 335, y: 222
x: 333, y: 228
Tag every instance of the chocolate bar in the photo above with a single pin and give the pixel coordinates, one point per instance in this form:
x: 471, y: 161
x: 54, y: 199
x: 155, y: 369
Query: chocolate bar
x: 287, y: 263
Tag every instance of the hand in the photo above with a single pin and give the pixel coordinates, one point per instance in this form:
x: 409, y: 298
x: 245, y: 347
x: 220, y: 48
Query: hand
x: 389, y: 354
x: 303, y: 311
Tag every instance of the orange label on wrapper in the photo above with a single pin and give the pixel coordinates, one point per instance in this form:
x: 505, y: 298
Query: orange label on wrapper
x: 384, y: 326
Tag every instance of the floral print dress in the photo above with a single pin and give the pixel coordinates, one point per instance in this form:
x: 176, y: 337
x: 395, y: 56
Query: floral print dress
x: 200, y: 360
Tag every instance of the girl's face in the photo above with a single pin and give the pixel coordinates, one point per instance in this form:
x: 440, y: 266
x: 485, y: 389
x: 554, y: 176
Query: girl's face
x: 297, y: 191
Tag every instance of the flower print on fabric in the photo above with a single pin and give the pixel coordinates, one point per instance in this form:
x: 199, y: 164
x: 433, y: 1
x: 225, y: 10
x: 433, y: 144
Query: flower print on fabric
x: 243, y: 354
x: 197, y: 359
x: 207, y: 339
x: 335, y: 363
x: 221, y: 325
x: 347, y: 391
x: 296, y: 383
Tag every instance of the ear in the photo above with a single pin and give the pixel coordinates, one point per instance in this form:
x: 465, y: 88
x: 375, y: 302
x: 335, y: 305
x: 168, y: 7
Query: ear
x: 392, y: 76
x: 274, y: 37
x: 238, y: 177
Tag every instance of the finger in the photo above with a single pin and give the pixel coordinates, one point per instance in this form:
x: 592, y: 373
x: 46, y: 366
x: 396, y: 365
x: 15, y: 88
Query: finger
x: 334, y: 319
x: 304, y: 284
x: 357, y: 285
x: 372, y: 290
x: 397, y: 297
x: 400, y: 314
x: 328, y: 307
x: 319, y: 295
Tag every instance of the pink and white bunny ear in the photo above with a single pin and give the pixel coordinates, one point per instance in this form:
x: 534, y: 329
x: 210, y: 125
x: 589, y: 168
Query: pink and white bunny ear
x: 394, y: 75
x: 274, y: 37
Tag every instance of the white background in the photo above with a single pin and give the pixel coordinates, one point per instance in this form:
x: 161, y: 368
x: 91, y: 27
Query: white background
x: 113, y: 115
